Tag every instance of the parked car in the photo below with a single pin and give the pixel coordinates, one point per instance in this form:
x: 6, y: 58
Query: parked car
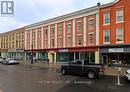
x: 82, y: 67
x: 127, y: 75
x: 1, y: 59
x: 9, y: 61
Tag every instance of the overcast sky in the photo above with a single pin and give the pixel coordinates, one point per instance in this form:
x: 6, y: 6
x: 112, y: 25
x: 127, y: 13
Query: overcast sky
x: 32, y: 11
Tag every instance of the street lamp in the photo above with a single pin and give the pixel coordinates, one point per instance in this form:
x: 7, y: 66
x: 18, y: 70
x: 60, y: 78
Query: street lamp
x: 32, y: 54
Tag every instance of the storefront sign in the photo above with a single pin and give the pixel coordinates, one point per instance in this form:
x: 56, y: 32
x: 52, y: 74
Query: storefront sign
x: 116, y: 50
x: 63, y: 50
x: 11, y: 50
x: 15, y: 50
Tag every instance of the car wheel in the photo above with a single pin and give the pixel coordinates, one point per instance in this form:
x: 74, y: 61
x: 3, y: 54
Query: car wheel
x: 63, y: 71
x: 91, y: 74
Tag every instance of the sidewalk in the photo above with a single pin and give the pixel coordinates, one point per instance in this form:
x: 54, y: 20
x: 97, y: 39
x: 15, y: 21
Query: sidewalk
x: 113, y: 71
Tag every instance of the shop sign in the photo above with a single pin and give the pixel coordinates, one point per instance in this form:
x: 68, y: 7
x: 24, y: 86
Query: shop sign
x: 11, y: 50
x: 20, y: 50
x: 63, y: 50
x: 116, y: 50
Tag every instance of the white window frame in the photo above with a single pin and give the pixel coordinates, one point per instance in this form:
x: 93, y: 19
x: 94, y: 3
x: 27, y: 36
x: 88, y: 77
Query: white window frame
x: 81, y: 26
x: 118, y: 35
x: 81, y: 40
x: 89, y: 38
x: 104, y: 17
x: 118, y: 11
x: 89, y: 23
x: 104, y: 36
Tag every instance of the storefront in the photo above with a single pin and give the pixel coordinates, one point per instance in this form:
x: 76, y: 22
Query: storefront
x: 16, y: 54
x: 118, y: 54
x: 66, y: 55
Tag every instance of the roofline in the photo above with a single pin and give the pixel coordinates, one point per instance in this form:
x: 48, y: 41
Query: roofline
x: 109, y: 4
x: 62, y: 17
x: 18, y: 29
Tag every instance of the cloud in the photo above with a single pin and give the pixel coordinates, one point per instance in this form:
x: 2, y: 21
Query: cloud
x: 32, y: 11
x: 7, y: 23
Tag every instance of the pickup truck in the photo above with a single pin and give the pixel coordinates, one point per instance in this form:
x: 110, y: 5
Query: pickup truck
x: 82, y: 67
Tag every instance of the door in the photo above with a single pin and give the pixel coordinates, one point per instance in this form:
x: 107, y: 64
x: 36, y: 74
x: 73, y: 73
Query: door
x: 76, y: 67
x: 53, y: 57
x: 105, y: 59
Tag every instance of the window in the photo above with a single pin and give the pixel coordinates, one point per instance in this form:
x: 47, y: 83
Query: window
x: 69, y: 41
x: 119, y: 16
x: 79, y: 26
x: 106, y: 18
x: 69, y: 27
x: 60, y: 29
x: 60, y: 42
x: 46, y: 32
x: 119, y: 35
x: 79, y: 40
x: 53, y: 31
x: 91, y: 39
x: 22, y: 35
x: 53, y: 42
x: 91, y: 23
x: 106, y: 36
x: 39, y: 34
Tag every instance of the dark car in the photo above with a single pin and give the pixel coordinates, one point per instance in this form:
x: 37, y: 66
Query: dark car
x: 82, y: 67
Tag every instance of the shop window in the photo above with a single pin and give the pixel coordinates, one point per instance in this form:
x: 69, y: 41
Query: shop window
x: 91, y: 40
x: 79, y: 40
x: 91, y: 23
x: 106, y: 36
x: 119, y: 15
x: 106, y: 18
x: 119, y: 35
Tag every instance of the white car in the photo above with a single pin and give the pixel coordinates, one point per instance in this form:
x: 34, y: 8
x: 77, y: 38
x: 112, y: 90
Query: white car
x: 9, y: 61
x: 127, y: 75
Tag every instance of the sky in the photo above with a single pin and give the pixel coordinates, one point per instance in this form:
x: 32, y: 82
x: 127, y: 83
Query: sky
x: 32, y: 11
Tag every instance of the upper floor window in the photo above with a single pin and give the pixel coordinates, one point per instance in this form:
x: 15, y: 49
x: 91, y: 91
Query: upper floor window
x: 79, y: 40
x: 60, y: 42
x: 53, y: 31
x: 119, y: 35
x: 53, y: 42
x: 106, y: 18
x: 119, y: 15
x: 69, y: 27
x: 79, y: 26
x: 46, y: 32
x: 91, y: 23
x: 91, y: 38
x: 69, y: 41
x: 106, y: 36
x: 60, y: 29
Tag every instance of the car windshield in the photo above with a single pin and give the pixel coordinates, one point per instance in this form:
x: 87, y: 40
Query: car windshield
x: 76, y: 62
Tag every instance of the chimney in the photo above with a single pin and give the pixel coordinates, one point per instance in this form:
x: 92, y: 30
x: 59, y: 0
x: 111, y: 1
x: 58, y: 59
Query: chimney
x: 98, y: 4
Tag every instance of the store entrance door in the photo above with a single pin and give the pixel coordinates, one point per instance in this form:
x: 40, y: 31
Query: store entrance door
x: 105, y: 59
x: 53, y: 57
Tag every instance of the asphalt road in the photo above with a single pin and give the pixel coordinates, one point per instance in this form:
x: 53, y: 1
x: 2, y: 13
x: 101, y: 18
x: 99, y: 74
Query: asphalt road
x: 25, y: 78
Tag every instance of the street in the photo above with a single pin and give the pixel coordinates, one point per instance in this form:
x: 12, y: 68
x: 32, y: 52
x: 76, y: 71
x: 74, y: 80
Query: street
x: 26, y: 78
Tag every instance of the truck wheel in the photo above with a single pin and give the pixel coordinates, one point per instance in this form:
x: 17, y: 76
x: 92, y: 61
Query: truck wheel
x: 63, y: 71
x: 91, y: 74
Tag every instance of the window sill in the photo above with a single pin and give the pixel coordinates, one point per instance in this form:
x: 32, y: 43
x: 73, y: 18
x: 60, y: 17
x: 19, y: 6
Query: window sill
x: 120, y: 42
x: 106, y: 24
x: 105, y: 43
x: 119, y: 22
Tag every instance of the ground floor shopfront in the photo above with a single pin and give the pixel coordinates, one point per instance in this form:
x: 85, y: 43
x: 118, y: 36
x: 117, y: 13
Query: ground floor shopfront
x: 65, y: 55
x: 115, y: 54
x: 18, y: 54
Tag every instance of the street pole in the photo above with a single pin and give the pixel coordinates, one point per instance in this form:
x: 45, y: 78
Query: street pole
x: 32, y: 54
